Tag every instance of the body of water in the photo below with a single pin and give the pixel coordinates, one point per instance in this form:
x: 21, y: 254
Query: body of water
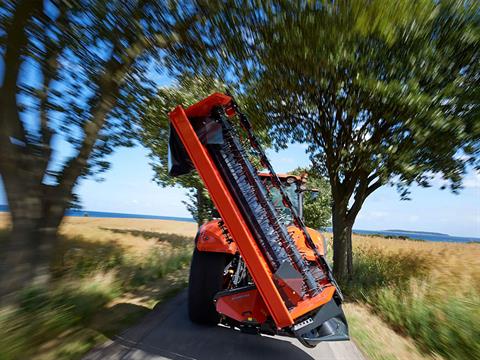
x: 418, y: 235
x: 396, y: 233
x: 104, y: 214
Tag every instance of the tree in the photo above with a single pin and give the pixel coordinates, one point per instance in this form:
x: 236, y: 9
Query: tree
x: 381, y: 92
x: 74, y: 73
x: 316, y: 208
x: 154, y: 134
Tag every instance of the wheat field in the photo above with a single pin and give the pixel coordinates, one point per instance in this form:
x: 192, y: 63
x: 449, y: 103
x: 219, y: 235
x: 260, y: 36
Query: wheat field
x: 424, y: 295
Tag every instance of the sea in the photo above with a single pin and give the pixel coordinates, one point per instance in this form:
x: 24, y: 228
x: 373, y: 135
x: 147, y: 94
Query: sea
x: 105, y: 214
x: 416, y: 235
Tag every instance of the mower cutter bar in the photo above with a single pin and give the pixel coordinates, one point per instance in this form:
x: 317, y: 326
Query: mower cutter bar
x: 268, y: 249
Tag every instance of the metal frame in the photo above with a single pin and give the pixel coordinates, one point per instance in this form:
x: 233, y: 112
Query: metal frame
x: 231, y: 215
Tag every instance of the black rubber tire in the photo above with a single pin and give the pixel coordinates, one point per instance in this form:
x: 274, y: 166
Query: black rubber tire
x: 206, y: 279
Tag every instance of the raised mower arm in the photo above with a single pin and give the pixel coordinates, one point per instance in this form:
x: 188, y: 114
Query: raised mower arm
x: 289, y: 292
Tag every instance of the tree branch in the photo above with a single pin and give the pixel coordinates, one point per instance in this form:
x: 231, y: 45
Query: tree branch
x: 49, y: 68
x: 11, y: 125
x: 110, y: 83
x: 16, y: 41
x: 373, y: 187
x: 362, y: 192
x: 359, y: 198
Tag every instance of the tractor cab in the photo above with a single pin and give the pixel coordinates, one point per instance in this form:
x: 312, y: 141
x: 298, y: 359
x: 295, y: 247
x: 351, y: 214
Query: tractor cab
x: 294, y: 186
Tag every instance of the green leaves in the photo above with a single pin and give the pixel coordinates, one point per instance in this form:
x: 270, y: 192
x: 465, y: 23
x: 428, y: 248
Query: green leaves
x: 371, y: 86
x: 155, y: 131
x: 317, y: 211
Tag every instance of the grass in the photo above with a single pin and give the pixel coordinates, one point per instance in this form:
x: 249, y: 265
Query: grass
x: 409, y: 299
x: 103, y: 281
x: 427, y: 291
x: 44, y: 314
x: 375, y: 338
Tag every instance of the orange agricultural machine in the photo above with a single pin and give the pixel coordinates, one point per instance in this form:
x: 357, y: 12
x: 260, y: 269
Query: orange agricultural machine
x: 258, y: 267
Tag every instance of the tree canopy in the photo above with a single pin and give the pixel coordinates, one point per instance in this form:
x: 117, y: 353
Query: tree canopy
x: 381, y: 92
x: 74, y: 75
x: 154, y: 135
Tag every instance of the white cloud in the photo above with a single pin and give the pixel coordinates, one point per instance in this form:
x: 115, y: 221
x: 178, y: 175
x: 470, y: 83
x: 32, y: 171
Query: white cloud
x: 472, y: 181
x: 413, y: 218
x: 372, y: 215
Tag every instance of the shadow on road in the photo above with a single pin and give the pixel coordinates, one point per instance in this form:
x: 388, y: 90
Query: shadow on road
x: 110, y: 320
x: 174, y: 239
x: 168, y: 334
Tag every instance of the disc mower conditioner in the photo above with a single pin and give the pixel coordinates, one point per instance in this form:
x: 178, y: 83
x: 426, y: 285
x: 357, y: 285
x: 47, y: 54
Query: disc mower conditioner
x: 258, y: 267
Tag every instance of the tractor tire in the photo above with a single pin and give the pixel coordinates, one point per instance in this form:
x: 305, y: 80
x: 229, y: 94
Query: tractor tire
x: 206, y: 279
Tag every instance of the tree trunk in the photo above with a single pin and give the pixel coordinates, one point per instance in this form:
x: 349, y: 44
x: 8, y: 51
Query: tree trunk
x: 200, y: 207
x: 342, y: 245
x: 27, y: 253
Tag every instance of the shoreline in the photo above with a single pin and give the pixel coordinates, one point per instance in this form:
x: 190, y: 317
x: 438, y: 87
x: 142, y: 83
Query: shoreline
x: 385, y: 234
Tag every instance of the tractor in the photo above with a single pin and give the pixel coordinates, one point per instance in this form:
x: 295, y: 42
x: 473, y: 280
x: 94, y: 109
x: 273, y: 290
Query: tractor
x: 256, y: 267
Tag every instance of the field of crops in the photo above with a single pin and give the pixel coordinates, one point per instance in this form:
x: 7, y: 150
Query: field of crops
x: 107, y: 273
x: 427, y: 291
x: 408, y: 300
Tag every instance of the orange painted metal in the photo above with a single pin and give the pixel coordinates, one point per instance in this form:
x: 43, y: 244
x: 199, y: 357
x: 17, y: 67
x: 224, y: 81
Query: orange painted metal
x: 203, y: 108
x: 245, y: 306
x: 252, y: 255
x: 304, y: 306
x: 299, y: 238
x: 212, y: 239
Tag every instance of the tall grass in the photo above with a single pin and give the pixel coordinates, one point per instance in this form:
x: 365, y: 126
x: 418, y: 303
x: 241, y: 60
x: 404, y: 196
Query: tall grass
x: 158, y: 264
x: 87, y: 276
x: 43, y: 314
x: 424, y: 290
x: 447, y: 324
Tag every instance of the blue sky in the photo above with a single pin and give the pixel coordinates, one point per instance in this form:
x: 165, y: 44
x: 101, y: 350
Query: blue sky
x: 128, y: 187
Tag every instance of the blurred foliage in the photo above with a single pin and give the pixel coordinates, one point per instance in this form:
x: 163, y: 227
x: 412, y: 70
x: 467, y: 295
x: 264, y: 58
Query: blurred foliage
x: 75, y: 75
x: 427, y: 291
x: 61, y: 320
x: 368, y: 85
x: 44, y: 314
x: 84, y: 60
x: 317, y: 210
x: 445, y: 325
x: 155, y: 132
x: 380, y: 92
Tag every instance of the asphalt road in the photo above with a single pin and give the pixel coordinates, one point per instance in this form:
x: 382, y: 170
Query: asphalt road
x: 166, y: 333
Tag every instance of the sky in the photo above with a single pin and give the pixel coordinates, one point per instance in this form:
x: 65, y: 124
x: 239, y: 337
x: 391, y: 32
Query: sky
x: 128, y: 188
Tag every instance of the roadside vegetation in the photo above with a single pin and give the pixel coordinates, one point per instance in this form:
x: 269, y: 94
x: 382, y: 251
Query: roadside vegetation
x: 409, y: 299
x: 429, y: 292
x: 103, y: 281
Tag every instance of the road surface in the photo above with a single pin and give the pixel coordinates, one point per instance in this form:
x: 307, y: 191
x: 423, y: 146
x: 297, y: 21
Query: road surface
x: 166, y: 333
